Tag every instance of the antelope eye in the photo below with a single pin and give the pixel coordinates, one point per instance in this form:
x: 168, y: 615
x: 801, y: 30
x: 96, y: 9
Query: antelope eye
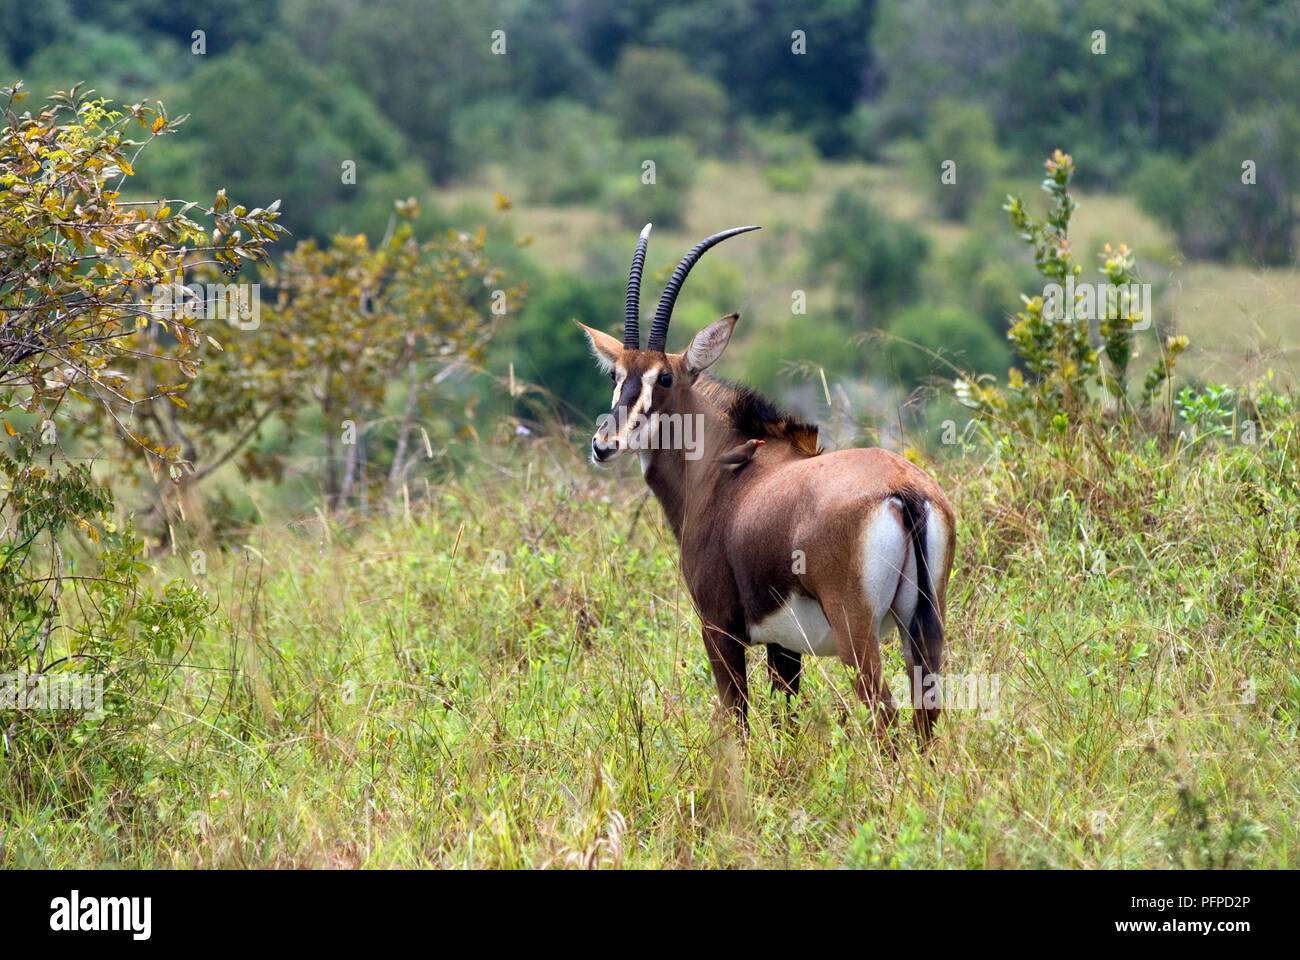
x: 665, y: 379
x: 612, y: 376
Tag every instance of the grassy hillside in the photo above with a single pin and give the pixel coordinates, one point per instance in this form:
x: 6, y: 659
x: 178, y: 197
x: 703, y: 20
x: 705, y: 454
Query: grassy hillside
x: 513, y: 677
x: 1240, y: 318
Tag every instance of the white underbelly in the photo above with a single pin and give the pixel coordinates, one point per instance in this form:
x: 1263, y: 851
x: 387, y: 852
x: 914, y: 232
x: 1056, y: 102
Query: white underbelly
x: 798, y: 625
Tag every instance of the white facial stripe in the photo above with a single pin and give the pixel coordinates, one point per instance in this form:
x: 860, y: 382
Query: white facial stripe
x: 619, y: 376
x: 642, y: 405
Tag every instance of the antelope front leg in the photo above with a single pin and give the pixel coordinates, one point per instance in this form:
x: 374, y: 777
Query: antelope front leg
x: 727, y: 658
x: 786, y: 668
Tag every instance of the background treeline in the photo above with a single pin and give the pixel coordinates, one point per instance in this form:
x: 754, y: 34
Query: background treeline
x: 412, y: 90
x: 829, y: 121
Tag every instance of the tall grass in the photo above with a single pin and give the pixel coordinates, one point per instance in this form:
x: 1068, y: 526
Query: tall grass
x: 510, y: 674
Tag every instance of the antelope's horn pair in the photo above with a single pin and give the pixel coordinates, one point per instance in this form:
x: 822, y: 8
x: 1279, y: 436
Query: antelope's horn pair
x: 664, y: 312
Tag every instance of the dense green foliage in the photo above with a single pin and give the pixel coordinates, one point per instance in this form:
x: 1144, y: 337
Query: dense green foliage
x: 962, y: 138
x: 415, y: 89
x: 77, y: 267
x: 338, y: 108
x: 875, y: 261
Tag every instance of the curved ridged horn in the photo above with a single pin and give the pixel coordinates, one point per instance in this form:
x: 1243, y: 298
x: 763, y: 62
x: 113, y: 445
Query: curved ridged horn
x: 632, y: 315
x: 664, y: 312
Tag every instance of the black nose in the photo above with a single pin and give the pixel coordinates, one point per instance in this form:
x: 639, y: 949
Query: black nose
x: 600, y: 451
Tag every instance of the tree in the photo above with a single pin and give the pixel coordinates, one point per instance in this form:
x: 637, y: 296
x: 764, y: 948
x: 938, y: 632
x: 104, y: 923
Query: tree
x: 874, y: 261
x: 549, y: 350
x: 78, y: 267
x: 944, y: 337
x: 80, y: 264
x: 1155, y: 78
x: 750, y: 49
x: 241, y: 21
x: 418, y: 61
x: 656, y: 94
x: 961, y: 135
x: 638, y: 199
x: 1235, y: 198
x: 325, y: 149
x: 339, y: 326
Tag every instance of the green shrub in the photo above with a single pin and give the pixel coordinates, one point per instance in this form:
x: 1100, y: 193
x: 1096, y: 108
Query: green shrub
x: 655, y: 93
x: 80, y: 623
x: 550, y: 352
x: 78, y: 262
x: 124, y: 66
x: 873, y: 261
x: 797, y: 346
x: 789, y: 160
x: 567, y: 152
x: 945, y: 337
x: 662, y: 202
x: 1162, y: 187
x: 1059, y: 365
x: 867, y: 130
x: 986, y: 275
x: 1206, y: 203
x: 314, y: 127
x: 964, y: 136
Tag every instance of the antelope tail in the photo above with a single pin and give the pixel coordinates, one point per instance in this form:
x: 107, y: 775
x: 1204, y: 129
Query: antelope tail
x: 926, y: 629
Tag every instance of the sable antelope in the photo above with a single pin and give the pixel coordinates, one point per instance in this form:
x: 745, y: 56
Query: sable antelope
x: 781, y: 544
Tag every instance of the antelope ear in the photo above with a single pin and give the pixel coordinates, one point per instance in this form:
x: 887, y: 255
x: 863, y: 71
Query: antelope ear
x: 604, y: 348
x: 707, y: 345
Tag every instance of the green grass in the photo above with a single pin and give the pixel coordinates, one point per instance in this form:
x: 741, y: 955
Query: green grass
x: 511, y: 676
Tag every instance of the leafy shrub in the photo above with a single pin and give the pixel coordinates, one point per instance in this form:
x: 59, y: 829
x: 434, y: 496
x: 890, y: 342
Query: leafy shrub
x: 867, y: 130
x: 963, y: 135
x: 796, y: 346
x: 1208, y: 412
x: 87, y: 649
x: 873, y: 260
x: 569, y: 152
x: 1162, y: 187
x: 315, y: 126
x: 123, y: 65
x: 1214, y: 213
x: 656, y: 94
x: 412, y: 65
x: 945, y: 337
x: 986, y: 275
x: 77, y: 266
x: 1060, y: 360
x: 550, y: 351
x: 347, y: 321
x: 789, y: 160
x: 664, y: 201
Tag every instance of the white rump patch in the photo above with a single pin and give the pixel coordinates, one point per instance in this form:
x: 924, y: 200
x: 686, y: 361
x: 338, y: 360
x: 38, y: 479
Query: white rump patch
x: 936, y: 546
x: 888, y: 569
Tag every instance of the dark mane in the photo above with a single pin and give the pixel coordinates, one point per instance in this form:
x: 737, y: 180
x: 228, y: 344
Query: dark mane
x: 758, y: 418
